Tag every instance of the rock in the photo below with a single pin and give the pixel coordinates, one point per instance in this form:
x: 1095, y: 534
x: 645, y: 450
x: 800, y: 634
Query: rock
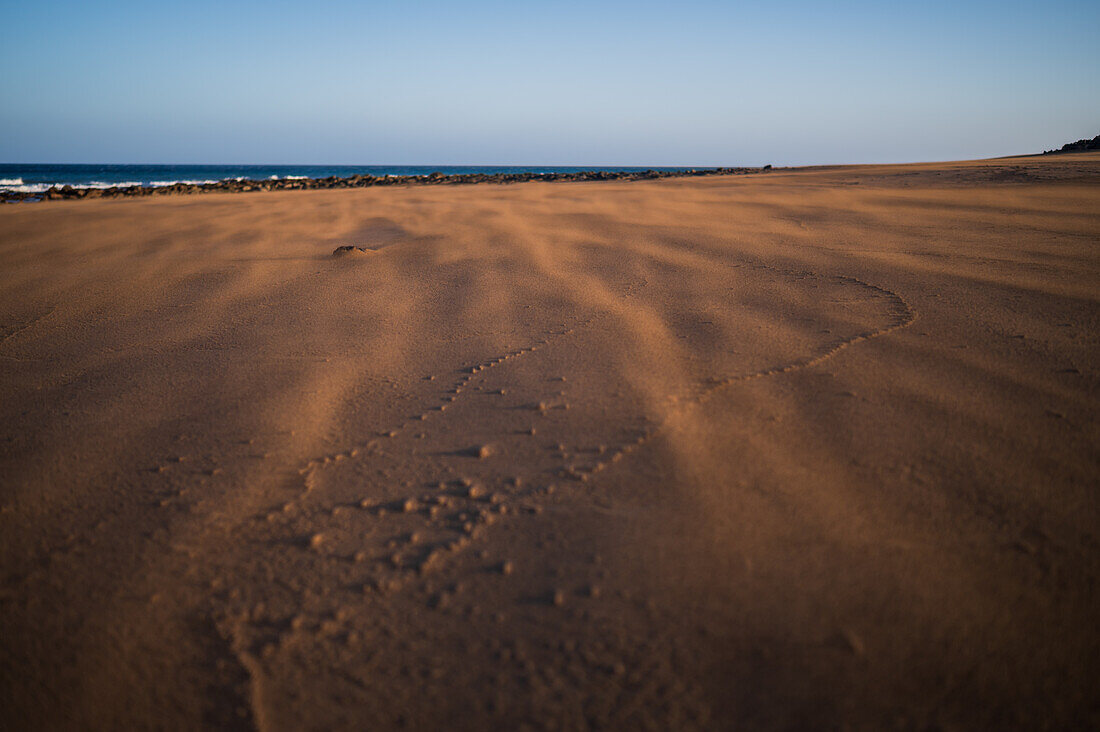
x: 348, y: 250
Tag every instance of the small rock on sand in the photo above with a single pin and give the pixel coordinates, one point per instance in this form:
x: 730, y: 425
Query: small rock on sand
x: 348, y: 250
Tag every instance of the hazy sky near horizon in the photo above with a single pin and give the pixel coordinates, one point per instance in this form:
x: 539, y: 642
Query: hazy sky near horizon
x: 647, y: 83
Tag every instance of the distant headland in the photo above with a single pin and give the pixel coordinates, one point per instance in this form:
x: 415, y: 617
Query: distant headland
x: 1079, y: 146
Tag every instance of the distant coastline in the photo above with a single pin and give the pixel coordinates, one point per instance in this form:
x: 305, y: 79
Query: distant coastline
x: 17, y: 185
x: 1079, y: 146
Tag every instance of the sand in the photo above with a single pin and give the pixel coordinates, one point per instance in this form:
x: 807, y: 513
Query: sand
x: 812, y: 448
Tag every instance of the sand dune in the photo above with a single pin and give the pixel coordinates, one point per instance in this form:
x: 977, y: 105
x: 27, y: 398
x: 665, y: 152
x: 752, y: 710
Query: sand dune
x: 806, y: 449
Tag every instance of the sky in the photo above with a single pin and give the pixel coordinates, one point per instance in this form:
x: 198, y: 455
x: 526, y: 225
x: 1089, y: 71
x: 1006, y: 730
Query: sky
x: 543, y: 83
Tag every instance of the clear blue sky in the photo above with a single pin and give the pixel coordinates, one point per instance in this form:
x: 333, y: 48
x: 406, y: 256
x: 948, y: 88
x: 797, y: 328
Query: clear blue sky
x: 688, y: 82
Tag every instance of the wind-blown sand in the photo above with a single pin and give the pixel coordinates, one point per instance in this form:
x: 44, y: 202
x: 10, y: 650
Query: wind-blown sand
x: 805, y: 449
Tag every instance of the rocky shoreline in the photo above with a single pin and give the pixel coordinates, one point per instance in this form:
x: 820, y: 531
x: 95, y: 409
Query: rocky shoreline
x: 358, y: 181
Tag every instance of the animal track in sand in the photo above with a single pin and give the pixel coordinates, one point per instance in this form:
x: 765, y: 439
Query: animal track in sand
x: 394, y: 521
x: 446, y: 516
x: 448, y: 502
x: 903, y: 315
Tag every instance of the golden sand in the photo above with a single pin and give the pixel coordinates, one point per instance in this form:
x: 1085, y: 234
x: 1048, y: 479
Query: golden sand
x: 803, y: 449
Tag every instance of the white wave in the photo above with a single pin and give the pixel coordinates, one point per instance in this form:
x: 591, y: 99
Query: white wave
x: 101, y: 184
x: 43, y: 187
x: 28, y: 188
x: 11, y: 181
x: 296, y: 177
x: 162, y: 183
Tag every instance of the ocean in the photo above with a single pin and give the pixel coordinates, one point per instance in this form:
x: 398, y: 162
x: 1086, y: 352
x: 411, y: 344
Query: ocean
x: 39, y: 177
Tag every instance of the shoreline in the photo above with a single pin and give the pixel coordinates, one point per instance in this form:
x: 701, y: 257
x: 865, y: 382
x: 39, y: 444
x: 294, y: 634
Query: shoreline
x: 68, y: 192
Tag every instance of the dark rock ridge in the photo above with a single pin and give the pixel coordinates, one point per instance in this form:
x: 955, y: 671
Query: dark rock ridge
x: 1079, y: 146
x: 362, y: 181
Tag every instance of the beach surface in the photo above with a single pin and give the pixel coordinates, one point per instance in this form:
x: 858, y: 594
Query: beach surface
x: 814, y: 448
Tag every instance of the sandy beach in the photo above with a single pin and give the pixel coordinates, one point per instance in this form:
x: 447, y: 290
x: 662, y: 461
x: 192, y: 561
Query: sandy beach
x: 815, y: 448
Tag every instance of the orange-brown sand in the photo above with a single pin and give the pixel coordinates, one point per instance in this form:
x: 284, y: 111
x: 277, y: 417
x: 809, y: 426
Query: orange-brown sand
x: 806, y: 449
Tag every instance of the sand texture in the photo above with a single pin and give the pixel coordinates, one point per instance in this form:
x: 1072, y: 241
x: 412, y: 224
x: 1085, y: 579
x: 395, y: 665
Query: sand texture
x: 807, y: 449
